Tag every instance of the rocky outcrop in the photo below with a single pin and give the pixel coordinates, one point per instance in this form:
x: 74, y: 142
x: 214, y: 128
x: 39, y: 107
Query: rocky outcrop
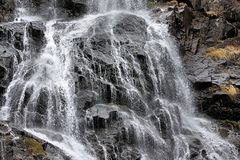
x: 211, y: 54
x: 210, y: 50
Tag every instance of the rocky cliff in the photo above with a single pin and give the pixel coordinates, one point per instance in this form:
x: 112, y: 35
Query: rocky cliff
x: 208, y: 37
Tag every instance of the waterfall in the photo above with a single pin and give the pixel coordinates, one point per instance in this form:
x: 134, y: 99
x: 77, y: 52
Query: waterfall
x: 102, y: 6
x: 28, y: 10
x: 110, y: 81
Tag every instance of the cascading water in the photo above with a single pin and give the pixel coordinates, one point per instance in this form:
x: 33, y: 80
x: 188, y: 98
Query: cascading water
x: 28, y: 10
x: 110, y: 86
x: 102, y: 6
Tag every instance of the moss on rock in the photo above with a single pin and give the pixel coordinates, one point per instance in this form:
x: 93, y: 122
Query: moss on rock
x: 34, y: 147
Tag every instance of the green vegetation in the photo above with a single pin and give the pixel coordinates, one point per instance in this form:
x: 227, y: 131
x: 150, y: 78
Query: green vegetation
x: 34, y: 147
x: 152, y: 4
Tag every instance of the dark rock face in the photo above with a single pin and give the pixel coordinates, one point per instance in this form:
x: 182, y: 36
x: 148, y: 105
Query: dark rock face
x: 12, y: 45
x: 36, y: 37
x: 104, y: 96
x: 211, y: 66
x: 130, y: 33
x: 74, y: 8
x: 208, y: 74
x: 54, y: 9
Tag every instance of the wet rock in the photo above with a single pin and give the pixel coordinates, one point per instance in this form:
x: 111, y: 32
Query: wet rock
x: 36, y: 36
x: 101, y: 116
x: 224, y: 132
x: 130, y: 27
x: 3, y: 72
x: 8, y: 58
x: 4, y: 129
x: 130, y: 33
x: 195, y: 147
x: 12, y: 34
x: 65, y: 9
x: 74, y: 8
x: 18, y: 144
x: 11, y: 47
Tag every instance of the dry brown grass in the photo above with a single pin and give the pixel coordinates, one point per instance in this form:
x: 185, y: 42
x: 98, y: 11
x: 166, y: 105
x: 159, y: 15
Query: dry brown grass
x: 212, y: 14
x: 226, y: 53
x: 230, y: 90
